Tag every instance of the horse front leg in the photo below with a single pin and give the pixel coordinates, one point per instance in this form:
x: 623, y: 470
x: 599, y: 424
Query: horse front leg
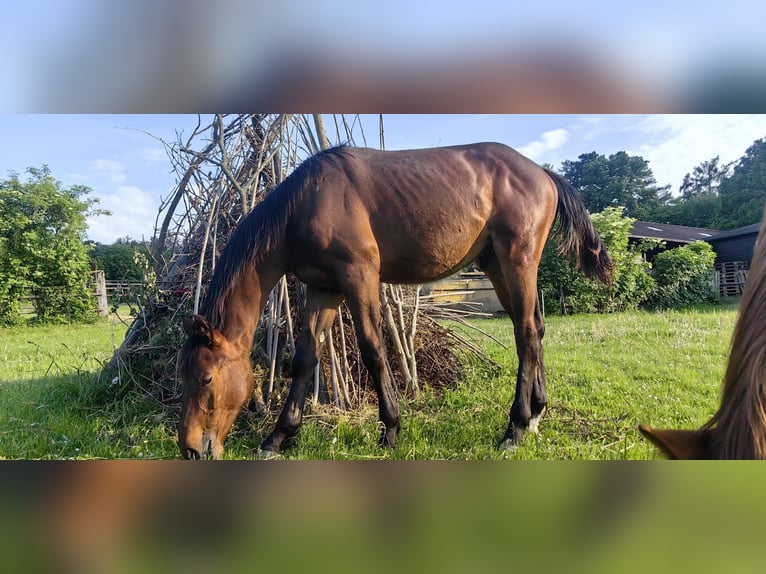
x: 364, y: 303
x: 514, y: 278
x: 321, y: 310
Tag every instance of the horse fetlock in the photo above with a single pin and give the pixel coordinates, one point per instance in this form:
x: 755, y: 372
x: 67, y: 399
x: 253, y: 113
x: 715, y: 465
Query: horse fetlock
x: 521, y: 415
x: 534, y: 422
x: 388, y: 437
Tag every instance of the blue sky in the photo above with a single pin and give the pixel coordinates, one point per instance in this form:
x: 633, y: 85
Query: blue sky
x: 129, y: 171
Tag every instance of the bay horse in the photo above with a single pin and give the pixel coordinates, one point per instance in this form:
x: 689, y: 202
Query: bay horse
x: 348, y: 219
x: 738, y: 429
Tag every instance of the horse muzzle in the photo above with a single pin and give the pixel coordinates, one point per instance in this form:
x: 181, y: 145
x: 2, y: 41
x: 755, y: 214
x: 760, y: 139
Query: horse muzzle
x: 208, y: 448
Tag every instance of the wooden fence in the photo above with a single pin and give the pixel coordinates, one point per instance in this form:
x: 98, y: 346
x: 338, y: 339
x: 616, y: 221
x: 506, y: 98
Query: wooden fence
x: 731, y: 278
x: 105, y: 292
x: 99, y: 290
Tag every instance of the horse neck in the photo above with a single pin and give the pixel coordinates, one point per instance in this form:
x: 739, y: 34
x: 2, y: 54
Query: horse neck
x: 741, y: 419
x: 245, y: 302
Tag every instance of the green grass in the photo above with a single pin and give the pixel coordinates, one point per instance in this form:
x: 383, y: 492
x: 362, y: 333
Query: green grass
x: 47, y: 374
x: 606, y: 373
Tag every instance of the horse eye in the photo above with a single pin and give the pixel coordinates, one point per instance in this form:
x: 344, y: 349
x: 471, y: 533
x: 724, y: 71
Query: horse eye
x: 205, y: 381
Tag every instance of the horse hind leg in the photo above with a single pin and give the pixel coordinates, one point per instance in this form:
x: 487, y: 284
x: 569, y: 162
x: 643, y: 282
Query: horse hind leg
x: 516, y: 288
x: 321, y: 309
x: 539, y: 388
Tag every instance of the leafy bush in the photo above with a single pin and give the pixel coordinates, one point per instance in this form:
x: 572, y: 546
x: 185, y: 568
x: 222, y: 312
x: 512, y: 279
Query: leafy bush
x: 684, y: 276
x: 560, y: 280
x: 12, y: 288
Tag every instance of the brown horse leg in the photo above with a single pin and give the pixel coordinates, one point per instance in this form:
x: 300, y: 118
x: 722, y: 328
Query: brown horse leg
x: 494, y: 273
x: 363, y: 300
x: 321, y: 309
x: 539, y: 388
x: 516, y: 288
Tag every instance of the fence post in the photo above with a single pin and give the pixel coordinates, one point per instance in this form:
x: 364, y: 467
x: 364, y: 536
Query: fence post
x: 103, y: 305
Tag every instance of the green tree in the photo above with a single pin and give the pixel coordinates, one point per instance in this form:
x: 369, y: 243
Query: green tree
x: 704, y: 179
x: 697, y: 203
x: 743, y: 194
x: 41, y: 248
x: 696, y: 211
x: 618, y: 180
x: 118, y: 259
x: 14, y: 272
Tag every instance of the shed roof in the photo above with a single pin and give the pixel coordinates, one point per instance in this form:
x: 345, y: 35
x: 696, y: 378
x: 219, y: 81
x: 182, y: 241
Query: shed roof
x: 745, y: 230
x: 666, y: 232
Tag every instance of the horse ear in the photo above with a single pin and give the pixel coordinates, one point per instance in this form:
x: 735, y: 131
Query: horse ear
x: 198, y: 326
x: 679, y: 444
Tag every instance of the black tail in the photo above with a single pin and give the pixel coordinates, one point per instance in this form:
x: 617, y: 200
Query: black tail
x: 579, y: 235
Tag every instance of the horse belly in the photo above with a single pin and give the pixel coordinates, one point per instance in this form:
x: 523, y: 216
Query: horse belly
x: 432, y: 256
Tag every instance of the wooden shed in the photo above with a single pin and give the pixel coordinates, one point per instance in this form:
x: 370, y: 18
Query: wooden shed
x: 733, y: 253
x: 470, y: 291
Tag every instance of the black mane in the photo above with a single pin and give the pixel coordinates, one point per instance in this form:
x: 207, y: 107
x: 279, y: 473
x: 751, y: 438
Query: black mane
x: 261, y: 231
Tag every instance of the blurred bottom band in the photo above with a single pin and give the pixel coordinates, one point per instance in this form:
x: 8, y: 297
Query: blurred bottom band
x: 126, y: 516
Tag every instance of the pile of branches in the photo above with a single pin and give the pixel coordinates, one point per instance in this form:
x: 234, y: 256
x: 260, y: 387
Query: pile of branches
x: 224, y: 168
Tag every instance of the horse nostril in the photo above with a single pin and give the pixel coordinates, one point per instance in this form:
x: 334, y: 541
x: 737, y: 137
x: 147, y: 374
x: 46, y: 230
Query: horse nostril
x: 192, y: 454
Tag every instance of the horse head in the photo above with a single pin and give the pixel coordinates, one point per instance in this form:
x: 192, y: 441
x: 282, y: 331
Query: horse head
x: 217, y: 381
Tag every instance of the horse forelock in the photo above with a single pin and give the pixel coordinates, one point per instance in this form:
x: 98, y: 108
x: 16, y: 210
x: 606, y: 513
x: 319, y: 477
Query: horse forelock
x: 261, y: 231
x: 740, y: 423
x: 185, y: 359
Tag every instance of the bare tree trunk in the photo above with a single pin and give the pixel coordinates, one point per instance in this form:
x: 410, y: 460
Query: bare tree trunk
x: 198, y: 288
x: 321, y: 133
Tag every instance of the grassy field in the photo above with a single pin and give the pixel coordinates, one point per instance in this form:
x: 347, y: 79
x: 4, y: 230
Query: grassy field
x: 605, y: 375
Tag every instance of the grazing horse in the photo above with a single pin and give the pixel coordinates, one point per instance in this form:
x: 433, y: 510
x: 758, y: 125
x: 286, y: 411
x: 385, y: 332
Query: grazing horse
x: 738, y: 429
x: 348, y: 219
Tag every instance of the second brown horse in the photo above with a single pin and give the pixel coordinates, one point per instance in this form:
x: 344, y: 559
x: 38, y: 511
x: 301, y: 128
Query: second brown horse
x: 347, y: 219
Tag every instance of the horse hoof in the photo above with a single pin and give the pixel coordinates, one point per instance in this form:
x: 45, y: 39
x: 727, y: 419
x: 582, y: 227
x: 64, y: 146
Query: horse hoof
x: 267, y: 455
x: 387, y: 440
x: 512, y: 438
x: 508, y: 445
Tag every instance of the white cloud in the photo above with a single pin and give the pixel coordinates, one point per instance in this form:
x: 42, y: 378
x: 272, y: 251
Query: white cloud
x: 134, y: 210
x: 549, y: 141
x: 675, y: 144
x: 111, y: 170
x: 133, y: 214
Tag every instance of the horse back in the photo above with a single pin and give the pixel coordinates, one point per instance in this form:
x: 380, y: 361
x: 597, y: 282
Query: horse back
x: 423, y: 214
